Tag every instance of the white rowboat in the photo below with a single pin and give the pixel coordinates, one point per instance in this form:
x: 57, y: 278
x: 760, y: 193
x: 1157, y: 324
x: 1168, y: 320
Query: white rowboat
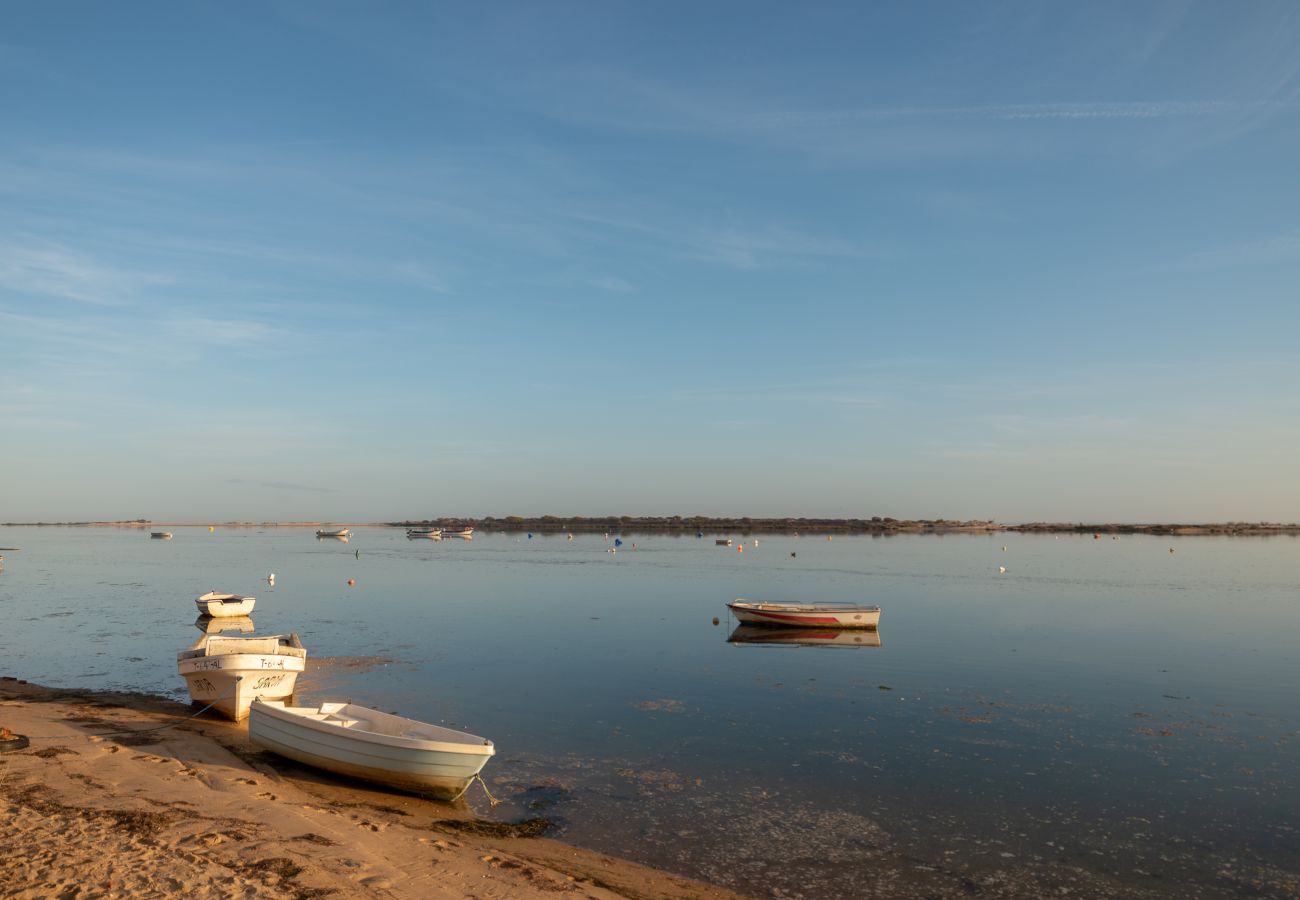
x: 333, y: 533
x: 375, y: 746
x: 807, y: 615
x: 230, y: 672
x: 220, y: 606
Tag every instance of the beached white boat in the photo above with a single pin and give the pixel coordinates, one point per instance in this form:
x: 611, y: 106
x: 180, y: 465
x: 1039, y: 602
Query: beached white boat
x: 210, y: 625
x: 333, y: 533
x: 230, y: 672
x: 160, y: 535
x: 375, y: 746
x: 220, y: 605
x: 809, y: 615
x: 804, y: 637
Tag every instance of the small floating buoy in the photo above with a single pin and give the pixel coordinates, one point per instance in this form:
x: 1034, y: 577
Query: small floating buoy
x: 792, y: 555
x: 755, y: 542
x: 1002, y: 570
x: 270, y: 579
x: 1171, y: 549
x: 618, y: 542
x: 570, y: 537
x: 210, y: 528
x: 715, y: 620
x: 530, y: 535
x: 740, y: 548
x: 1004, y: 548
x: 351, y: 581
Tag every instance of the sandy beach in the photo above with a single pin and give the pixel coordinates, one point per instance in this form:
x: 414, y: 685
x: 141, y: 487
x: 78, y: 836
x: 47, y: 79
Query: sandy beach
x: 103, y: 804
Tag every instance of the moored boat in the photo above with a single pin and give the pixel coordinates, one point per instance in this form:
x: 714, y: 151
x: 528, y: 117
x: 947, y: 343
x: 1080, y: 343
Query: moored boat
x: 333, y: 533
x: 804, y: 637
x: 809, y: 615
x: 222, y: 605
x: 359, y: 742
x: 458, y: 532
x: 432, y: 534
x: 160, y: 535
x: 228, y: 673
x: 723, y: 542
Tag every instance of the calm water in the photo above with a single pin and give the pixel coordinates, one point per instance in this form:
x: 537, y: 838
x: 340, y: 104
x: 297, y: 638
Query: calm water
x: 1104, y: 718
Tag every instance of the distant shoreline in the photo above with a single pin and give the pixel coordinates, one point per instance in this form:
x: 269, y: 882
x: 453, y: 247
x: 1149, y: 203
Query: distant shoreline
x: 876, y: 525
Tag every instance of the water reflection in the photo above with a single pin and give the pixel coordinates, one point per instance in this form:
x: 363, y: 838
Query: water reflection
x: 218, y: 624
x: 804, y: 637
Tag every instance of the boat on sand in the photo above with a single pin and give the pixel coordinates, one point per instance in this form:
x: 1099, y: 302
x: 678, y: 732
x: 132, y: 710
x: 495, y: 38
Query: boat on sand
x: 359, y: 742
x: 228, y: 673
x: 222, y: 605
x: 807, y: 615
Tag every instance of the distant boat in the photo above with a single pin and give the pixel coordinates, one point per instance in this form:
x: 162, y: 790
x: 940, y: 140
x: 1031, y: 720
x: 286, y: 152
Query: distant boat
x: 811, y: 615
x: 458, y: 532
x: 804, y: 637
x: 433, y: 534
x: 230, y: 672
x: 374, y: 746
x: 160, y: 535
x: 222, y: 605
x: 212, y: 625
x: 334, y: 533
x: 723, y: 542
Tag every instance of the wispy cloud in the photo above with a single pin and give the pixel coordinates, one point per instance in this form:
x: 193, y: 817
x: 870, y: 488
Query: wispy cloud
x: 52, y: 270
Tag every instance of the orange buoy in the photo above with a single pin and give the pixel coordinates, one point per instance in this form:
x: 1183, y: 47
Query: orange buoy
x: 351, y: 581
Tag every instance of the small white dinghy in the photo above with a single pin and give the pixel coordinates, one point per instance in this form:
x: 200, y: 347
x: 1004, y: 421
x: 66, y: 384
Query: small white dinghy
x: 333, y: 533
x: 808, y: 615
x: 220, y: 606
x: 230, y: 672
x: 374, y: 746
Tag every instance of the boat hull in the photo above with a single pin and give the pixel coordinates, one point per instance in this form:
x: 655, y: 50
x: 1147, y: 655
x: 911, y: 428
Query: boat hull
x: 232, y: 682
x: 220, y: 609
x: 390, y: 761
x: 229, y: 673
x: 806, y: 615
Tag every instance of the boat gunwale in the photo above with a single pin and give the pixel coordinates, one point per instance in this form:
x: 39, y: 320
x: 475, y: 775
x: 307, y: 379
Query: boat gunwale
x: 277, y: 710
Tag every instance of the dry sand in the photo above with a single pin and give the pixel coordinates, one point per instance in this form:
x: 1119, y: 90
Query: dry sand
x: 195, y: 810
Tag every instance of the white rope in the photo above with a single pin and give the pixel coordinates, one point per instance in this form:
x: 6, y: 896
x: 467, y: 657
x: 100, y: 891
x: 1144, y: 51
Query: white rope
x: 493, y: 800
x: 60, y: 737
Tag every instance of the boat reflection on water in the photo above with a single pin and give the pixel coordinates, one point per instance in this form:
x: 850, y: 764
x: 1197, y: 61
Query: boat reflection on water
x: 216, y: 625
x: 804, y: 637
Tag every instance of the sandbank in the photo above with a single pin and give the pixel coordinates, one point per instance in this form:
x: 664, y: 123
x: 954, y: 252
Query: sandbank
x: 97, y: 806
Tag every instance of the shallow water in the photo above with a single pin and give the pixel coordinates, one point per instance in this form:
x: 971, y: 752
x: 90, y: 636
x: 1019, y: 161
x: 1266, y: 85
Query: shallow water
x: 1106, y: 717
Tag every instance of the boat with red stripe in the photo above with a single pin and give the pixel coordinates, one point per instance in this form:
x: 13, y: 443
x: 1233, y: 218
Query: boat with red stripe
x: 806, y: 615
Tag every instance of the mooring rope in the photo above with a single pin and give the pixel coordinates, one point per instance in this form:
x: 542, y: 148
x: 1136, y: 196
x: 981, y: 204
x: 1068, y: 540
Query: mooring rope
x: 493, y: 800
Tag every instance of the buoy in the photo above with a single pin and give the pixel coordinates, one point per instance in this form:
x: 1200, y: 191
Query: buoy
x: 210, y: 528
x: 1002, y: 569
x: 1004, y: 548
x: 1171, y: 549
x: 351, y: 581
x: 755, y: 542
x: 792, y: 555
x: 829, y: 538
x: 530, y: 535
x: 270, y: 579
x: 570, y: 537
x: 715, y: 620
x: 618, y: 542
x: 740, y: 548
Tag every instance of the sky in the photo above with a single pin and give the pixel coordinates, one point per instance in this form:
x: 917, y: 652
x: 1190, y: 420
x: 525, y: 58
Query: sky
x: 369, y: 262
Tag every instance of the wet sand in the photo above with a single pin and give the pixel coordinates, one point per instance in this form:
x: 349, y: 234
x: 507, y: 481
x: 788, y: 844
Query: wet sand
x: 99, y: 805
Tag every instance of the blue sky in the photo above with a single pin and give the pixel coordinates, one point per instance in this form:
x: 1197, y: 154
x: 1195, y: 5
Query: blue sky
x: 1022, y: 261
